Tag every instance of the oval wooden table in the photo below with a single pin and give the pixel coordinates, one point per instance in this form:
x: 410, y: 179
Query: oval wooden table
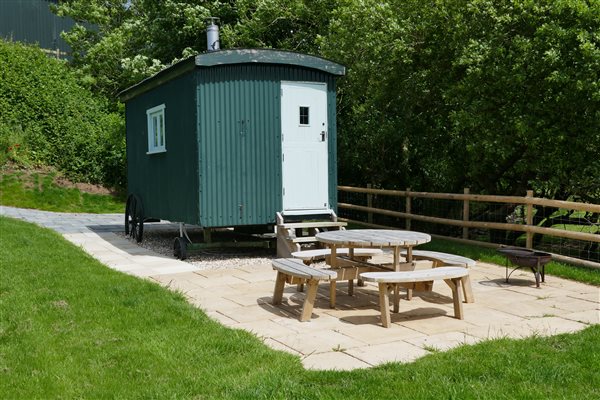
x: 374, y: 238
x: 368, y: 238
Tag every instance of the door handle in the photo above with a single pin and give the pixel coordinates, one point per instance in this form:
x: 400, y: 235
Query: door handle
x: 323, y: 136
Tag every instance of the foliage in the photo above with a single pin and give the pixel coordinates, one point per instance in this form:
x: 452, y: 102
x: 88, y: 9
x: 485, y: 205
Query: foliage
x: 49, y: 118
x: 500, y: 96
x: 40, y: 191
x: 281, y: 24
x: 70, y: 327
x: 12, y: 146
x: 117, y: 43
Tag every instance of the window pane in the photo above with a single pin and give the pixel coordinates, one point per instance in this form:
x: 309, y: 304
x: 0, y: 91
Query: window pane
x: 161, y: 126
x: 155, y: 128
x: 303, y: 115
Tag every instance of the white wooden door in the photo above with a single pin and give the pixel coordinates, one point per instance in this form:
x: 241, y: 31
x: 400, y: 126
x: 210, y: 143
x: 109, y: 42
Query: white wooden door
x: 304, y: 136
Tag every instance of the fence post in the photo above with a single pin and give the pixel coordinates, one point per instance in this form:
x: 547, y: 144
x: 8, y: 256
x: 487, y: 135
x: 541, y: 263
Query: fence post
x: 408, y: 208
x: 529, y: 221
x: 466, y: 211
x: 369, y: 204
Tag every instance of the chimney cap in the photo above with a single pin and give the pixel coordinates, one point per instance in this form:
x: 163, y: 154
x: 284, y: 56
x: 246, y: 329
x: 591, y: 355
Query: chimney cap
x: 213, y: 42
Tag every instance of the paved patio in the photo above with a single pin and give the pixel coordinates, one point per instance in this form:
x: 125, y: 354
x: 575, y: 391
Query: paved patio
x: 349, y: 336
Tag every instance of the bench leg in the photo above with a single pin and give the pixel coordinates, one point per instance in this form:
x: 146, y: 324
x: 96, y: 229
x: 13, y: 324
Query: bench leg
x: 279, y: 284
x: 351, y: 287
x: 456, y: 286
x: 332, y: 287
x: 396, y: 298
x: 309, y: 301
x: 300, y: 287
x: 384, y: 304
x: 467, y: 290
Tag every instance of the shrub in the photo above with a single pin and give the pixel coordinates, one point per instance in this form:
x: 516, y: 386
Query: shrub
x: 54, y: 120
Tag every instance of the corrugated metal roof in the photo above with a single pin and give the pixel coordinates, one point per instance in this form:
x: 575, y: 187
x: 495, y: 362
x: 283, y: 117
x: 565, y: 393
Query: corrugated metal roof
x: 231, y: 57
x: 268, y: 56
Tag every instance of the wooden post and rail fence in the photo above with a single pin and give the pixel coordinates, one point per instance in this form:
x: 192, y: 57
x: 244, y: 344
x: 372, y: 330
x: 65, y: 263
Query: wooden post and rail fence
x: 528, y: 227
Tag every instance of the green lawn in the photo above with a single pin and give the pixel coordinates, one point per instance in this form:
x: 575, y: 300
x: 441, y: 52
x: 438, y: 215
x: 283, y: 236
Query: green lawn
x: 72, y: 328
x: 39, y: 191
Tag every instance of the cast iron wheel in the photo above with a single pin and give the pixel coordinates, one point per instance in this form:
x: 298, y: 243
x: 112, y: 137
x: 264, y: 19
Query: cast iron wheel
x: 180, y: 248
x: 134, y: 218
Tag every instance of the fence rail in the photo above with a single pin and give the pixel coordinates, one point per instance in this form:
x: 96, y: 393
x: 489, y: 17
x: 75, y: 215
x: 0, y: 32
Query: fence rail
x: 459, y: 215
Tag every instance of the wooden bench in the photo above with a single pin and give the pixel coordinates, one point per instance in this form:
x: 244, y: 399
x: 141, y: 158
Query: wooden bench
x: 440, y: 259
x: 294, y: 271
x: 453, y: 276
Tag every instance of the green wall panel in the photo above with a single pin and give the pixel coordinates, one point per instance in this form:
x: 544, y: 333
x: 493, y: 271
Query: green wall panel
x: 222, y: 166
x: 240, y: 141
x: 166, y: 182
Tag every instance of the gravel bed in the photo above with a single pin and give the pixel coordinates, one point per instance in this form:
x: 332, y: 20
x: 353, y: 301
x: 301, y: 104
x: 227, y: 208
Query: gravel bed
x: 160, y: 237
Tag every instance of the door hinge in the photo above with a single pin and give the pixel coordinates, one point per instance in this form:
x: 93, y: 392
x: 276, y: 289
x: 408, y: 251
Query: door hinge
x: 284, y: 191
x: 283, y: 157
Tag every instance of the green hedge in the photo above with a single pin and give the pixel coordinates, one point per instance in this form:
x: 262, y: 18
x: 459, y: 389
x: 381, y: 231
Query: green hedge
x: 48, y: 117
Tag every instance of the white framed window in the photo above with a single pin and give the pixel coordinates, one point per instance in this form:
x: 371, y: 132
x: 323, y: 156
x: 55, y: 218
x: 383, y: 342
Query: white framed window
x: 156, y: 129
x: 304, y: 115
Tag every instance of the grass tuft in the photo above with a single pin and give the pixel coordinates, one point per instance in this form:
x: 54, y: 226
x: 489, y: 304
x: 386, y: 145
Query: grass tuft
x: 40, y: 191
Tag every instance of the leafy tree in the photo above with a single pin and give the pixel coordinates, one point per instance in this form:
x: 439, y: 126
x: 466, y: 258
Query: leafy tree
x: 116, y: 43
x: 281, y: 24
x: 49, y: 118
x: 496, y: 95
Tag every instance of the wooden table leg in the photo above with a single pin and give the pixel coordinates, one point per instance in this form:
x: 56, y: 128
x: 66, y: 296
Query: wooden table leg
x: 384, y: 304
x: 333, y: 256
x: 467, y: 290
x: 309, y: 301
x: 351, y: 281
x: 409, y: 292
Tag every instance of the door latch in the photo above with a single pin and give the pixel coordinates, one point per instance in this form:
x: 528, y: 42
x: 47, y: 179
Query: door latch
x: 323, y: 136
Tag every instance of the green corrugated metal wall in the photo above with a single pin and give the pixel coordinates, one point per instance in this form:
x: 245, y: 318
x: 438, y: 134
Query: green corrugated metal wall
x: 222, y: 166
x: 166, y: 182
x: 240, y: 141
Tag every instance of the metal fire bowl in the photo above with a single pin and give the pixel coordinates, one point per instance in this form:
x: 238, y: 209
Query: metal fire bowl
x: 526, y: 257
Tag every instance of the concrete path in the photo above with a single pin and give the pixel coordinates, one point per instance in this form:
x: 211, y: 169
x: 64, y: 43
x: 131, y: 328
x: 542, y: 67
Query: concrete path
x: 349, y: 336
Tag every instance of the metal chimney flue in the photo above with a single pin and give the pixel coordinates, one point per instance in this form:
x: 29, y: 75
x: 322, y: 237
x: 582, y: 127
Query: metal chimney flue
x: 212, y: 35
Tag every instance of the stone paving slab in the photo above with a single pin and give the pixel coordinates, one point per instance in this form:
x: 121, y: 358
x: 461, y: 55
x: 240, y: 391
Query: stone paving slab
x: 349, y: 336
